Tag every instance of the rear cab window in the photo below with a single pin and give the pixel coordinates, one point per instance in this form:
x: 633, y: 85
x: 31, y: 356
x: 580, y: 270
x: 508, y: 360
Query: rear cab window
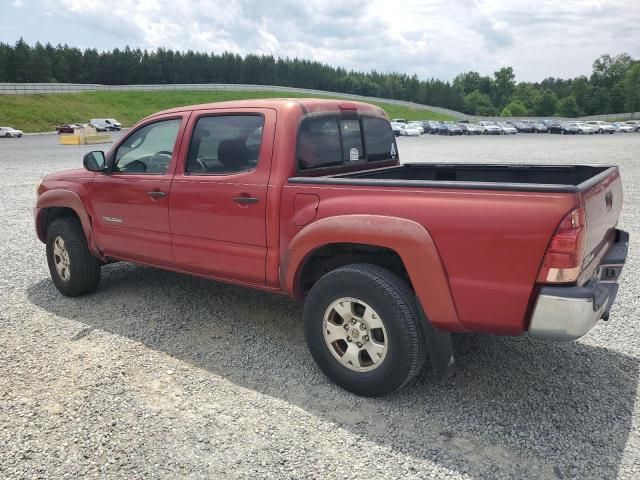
x: 336, y: 141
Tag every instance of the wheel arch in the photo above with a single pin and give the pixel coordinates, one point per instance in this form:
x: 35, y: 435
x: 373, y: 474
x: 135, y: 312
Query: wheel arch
x: 55, y: 204
x: 397, y: 238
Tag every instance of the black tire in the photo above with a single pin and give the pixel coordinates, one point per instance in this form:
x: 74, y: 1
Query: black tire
x: 7, y: 135
x: 84, y: 268
x: 395, y: 304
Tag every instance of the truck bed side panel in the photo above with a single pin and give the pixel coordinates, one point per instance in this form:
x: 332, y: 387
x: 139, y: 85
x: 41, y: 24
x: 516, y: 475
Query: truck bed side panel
x: 491, y: 243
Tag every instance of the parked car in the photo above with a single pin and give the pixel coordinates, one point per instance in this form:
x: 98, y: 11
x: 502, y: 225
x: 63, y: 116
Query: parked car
x: 523, y: 127
x: 635, y: 124
x: 105, y: 124
x: 115, y: 125
x: 434, y: 127
x: 508, y: 129
x: 450, y: 129
x: 407, y: 130
x: 398, y: 120
x: 490, y: 128
x: 397, y: 128
x: 602, y: 127
x: 539, y: 127
x: 585, y: 128
x: 555, y: 127
x: 569, y: 128
x: 67, y: 128
x: 426, y: 125
x: 470, y: 128
x: 623, y: 127
x: 320, y: 209
x: 417, y: 125
x: 10, y: 132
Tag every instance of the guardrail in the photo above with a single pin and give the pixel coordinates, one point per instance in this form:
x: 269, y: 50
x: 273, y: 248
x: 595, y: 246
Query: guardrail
x: 52, y: 88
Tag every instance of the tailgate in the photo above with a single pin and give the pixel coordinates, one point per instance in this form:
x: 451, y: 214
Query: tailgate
x: 602, y: 199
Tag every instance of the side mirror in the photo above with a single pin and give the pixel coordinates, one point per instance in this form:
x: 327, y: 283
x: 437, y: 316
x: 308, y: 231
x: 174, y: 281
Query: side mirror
x: 94, y: 161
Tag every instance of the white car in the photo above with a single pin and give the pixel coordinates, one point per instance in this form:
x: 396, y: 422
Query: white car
x: 635, y: 124
x: 397, y: 128
x: 585, y: 128
x: 623, y: 127
x: 115, y: 125
x: 9, y: 132
x: 508, y: 129
x: 409, y: 131
x: 398, y: 120
x: 417, y: 125
x: 602, y: 127
x: 490, y: 128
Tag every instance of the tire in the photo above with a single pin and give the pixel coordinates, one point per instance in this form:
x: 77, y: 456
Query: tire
x: 82, y: 273
x: 388, y: 299
x: 8, y: 135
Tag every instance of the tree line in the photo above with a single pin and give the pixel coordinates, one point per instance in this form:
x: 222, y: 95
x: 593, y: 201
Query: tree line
x: 612, y: 87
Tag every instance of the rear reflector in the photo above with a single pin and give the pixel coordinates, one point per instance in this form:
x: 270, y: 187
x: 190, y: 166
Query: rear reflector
x: 563, y: 260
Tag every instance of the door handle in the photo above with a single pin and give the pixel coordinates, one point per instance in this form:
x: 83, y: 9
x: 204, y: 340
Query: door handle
x: 157, y: 194
x: 245, y: 200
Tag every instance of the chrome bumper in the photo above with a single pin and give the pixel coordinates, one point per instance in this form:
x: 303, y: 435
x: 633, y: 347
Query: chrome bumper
x: 567, y: 313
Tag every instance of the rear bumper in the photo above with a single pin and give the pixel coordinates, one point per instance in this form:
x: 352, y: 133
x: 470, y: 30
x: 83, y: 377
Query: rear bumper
x: 567, y: 313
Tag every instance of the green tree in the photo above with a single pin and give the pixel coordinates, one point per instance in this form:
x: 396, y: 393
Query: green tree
x: 504, y: 84
x: 547, y: 104
x: 478, y: 103
x: 515, y: 109
x: 581, y: 90
x: 568, y: 107
x: 632, y: 89
x: 40, y: 64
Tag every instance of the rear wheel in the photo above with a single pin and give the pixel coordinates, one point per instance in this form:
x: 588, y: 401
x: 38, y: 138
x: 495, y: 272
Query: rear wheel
x: 73, y: 269
x: 363, y: 329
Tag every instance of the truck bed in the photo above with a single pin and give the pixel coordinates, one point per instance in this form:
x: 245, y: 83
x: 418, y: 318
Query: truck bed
x: 519, y: 177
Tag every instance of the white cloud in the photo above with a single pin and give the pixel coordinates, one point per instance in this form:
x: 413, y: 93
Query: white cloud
x: 432, y: 38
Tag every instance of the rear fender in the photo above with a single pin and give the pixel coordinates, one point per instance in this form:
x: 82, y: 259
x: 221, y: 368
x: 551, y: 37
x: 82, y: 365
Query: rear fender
x: 408, y: 239
x: 64, y: 199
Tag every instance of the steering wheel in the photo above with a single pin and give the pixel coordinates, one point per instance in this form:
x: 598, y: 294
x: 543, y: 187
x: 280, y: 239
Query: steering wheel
x: 159, y: 161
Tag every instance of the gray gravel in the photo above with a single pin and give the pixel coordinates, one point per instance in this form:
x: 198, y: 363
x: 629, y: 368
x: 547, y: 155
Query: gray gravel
x: 159, y: 375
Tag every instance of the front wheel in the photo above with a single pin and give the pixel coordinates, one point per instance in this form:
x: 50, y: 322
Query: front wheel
x: 73, y: 269
x: 363, y: 329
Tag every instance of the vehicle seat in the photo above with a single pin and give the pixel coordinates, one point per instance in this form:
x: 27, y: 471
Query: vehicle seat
x: 193, y: 164
x: 234, y: 155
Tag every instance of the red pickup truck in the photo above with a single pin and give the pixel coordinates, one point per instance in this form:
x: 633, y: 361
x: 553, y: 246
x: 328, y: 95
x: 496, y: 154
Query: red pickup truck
x: 307, y: 198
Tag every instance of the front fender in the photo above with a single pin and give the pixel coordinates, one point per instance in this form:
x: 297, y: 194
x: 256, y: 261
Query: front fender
x: 408, y: 239
x: 63, y: 199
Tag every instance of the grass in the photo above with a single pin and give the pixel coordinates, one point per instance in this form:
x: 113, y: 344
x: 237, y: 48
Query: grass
x: 41, y: 113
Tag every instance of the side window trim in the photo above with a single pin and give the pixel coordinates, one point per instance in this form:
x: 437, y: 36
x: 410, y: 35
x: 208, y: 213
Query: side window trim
x: 112, y: 157
x: 189, y: 140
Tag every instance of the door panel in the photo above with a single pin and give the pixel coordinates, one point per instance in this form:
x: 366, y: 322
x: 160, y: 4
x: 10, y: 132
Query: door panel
x: 128, y: 222
x: 218, y: 219
x: 130, y: 204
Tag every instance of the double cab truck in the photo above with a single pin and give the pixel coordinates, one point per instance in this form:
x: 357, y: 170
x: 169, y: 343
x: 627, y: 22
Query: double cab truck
x: 308, y: 198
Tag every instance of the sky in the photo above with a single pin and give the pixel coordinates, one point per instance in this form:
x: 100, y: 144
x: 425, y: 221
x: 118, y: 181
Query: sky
x: 433, y: 39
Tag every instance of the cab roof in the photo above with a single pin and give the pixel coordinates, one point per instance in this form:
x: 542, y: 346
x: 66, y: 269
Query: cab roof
x: 298, y: 106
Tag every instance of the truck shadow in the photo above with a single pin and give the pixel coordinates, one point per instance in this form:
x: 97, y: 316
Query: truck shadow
x: 515, y: 406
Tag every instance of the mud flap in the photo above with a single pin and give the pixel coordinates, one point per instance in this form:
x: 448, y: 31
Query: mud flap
x: 440, y: 348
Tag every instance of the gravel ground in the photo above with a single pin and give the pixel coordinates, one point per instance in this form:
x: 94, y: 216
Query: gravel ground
x: 159, y: 375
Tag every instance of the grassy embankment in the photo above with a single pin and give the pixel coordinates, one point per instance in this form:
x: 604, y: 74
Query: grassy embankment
x: 41, y: 113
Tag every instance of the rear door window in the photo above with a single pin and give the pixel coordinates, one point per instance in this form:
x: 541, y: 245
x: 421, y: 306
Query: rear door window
x: 225, y: 144
x: 330, y: 141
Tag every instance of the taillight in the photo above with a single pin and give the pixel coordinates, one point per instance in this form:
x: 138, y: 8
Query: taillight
x: 563, y: 260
